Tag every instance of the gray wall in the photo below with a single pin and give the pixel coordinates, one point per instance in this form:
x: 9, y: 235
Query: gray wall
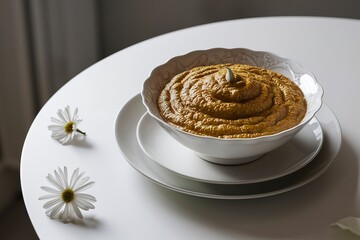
x: 126, y: 22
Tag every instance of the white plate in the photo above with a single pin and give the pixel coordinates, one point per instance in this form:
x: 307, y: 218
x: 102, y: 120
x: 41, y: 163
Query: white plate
x: 125, y: 133
x: 167, y: 152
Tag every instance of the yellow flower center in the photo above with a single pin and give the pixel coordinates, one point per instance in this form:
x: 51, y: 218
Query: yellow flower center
x: 69, y: 127
x: 67, y: 195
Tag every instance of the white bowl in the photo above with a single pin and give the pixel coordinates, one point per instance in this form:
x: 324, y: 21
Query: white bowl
x: 239, y: 150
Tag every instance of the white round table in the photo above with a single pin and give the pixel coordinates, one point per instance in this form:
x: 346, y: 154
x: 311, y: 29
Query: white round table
x: 129, y: 206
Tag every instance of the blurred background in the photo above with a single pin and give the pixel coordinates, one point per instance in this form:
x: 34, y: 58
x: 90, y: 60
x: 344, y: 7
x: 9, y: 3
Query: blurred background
x: 44, y: 43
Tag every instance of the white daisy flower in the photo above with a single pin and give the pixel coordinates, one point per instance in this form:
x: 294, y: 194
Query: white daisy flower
x: 66, y: 126
x: 67, y: 198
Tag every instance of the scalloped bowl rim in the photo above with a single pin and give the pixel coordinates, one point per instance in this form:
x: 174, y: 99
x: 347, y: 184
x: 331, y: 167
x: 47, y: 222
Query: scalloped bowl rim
x: 270, y: 137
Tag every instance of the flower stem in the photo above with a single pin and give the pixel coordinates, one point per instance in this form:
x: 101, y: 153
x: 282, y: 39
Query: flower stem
x: 79, y: 131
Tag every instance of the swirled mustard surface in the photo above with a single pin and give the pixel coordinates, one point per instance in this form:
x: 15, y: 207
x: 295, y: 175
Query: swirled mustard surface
x: 258, y: 102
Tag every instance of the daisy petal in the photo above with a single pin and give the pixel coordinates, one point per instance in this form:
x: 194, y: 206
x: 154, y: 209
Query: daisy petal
x: 55, y: 120
x: 78, y: 122
x: 66, y: 177
x: 47, y: 212
x: 75, y: 116
x: 86, y: 197
x: 48, y: 196
x: 66, y: 139
x: 60, y: 175
x: 56, y: 128
x: 60, y: 139
x: 80, y: 204
x: 77, y: 210
x: 56, y: 209
x: 81, y: 182
x: 72, y: 134
x: 51, y: 203
x: 73, y: 177
x: 59, y: 178
x: 64, y: 215
x: 77, y: 179
x: 67, y: 114
x: 84, y: 187
x: 50, y: 190
x: 52, y: 180
x: 61, y: 115
x: 84, y: 204
x: 59, y: 134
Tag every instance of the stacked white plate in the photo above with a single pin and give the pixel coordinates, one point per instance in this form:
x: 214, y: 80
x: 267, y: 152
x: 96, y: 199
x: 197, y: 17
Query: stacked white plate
x: 151, y: 151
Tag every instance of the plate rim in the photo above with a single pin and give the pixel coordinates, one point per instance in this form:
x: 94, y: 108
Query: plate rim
x: 291, y: 169
x: 157, y: 180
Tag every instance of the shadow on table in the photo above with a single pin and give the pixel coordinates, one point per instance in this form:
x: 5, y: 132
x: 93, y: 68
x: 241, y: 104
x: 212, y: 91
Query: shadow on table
x: 299, y: 212
x: 80, y: 142
x: 88, y: 222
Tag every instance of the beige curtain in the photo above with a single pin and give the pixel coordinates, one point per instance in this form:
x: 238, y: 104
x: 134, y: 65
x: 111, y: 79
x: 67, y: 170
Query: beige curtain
x: 43, y: 44
x: 16, y: 98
